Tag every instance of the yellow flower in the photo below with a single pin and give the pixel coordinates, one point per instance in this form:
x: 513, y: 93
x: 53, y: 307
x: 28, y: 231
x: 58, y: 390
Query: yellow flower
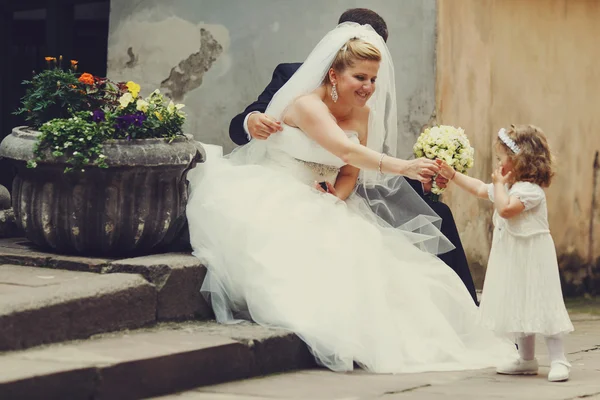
x: 133, y: 88
x: 158, y: 115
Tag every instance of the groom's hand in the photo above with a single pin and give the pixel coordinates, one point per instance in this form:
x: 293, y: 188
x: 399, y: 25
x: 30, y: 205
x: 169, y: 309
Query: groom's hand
x: 261, y: 126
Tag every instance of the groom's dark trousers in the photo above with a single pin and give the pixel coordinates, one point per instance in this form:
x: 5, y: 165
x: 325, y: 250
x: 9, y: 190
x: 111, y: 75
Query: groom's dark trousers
x: 456, y: 258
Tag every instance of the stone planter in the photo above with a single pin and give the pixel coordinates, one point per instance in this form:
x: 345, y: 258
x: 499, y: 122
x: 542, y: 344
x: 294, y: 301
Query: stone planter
x: 135, y: 206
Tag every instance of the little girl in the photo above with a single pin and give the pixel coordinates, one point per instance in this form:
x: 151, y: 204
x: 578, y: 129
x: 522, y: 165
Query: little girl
x: 521, y: 294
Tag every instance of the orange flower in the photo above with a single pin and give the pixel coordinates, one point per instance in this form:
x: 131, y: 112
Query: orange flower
x: 50, y: 59
x: 87, y: 79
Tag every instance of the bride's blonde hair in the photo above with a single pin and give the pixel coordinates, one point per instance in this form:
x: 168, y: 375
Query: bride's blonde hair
x: 354, y: 50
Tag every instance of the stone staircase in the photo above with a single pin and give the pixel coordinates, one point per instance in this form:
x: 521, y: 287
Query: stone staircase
x: 90, y: 328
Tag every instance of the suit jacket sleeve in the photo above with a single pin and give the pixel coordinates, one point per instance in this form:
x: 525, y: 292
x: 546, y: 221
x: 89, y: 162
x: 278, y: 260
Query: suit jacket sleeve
x: 281, y: 75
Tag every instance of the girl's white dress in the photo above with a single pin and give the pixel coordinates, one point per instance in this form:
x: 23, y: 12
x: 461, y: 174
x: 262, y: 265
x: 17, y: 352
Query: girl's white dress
x: 522, y: 292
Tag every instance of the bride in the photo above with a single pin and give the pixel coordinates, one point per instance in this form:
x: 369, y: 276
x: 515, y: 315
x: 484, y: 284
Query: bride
x: 357, y: 286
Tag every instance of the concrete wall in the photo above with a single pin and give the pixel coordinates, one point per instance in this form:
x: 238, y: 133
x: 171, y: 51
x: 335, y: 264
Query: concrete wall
x: 514, y: 61
x: 231, y: 48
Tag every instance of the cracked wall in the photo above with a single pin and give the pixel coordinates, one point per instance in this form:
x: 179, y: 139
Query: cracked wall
x: 216, y: 57
x: 503, y: 62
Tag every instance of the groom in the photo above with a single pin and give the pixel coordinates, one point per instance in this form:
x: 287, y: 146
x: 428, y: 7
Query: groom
x: 252, y: 123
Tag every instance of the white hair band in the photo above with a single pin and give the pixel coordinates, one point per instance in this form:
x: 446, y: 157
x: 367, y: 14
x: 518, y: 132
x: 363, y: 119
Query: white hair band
x: 508, y: 141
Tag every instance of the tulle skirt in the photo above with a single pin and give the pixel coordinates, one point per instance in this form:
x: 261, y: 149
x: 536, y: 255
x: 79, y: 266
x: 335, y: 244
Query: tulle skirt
x: 522, y: 292
x: 284, y: 255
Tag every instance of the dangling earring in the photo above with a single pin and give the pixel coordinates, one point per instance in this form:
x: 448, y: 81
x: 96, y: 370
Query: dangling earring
x: 334, y: 93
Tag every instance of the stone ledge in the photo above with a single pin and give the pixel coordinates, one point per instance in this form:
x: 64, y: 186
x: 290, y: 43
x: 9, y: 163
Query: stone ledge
x: 177, y: 277
x: 39, y: 306
x: 151, y: 362
x: 19, y: 251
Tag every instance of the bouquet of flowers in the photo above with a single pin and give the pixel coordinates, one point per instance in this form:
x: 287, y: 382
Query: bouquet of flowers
x: 449, y: 144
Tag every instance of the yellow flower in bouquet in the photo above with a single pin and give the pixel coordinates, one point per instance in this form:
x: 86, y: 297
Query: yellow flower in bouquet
x: 446, y: 143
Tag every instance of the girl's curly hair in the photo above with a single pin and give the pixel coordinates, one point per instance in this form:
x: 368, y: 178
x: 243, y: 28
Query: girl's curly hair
x: 534, y: 161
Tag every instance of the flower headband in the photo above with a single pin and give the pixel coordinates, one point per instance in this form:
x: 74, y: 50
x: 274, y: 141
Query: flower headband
x: 508, y: 141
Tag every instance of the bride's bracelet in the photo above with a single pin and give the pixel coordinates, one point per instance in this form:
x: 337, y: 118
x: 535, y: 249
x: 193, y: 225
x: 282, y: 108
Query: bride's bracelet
x: 380, y: 161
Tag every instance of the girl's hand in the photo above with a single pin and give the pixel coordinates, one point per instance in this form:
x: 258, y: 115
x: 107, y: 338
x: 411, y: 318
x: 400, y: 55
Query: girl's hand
x: 498, y: 177
x: 446, y: 171
x: 441, y: 181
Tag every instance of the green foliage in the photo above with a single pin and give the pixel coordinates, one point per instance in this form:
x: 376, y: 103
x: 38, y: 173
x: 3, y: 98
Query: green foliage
x: 53, y: 93
x: 78, y: 138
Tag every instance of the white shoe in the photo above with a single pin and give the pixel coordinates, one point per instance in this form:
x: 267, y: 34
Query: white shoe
x: 519, y: 367
x: 559, y: 371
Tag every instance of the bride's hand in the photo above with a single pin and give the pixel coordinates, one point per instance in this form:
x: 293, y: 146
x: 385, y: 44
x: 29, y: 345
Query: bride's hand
x: 330, y: 188
x: 421, y: 169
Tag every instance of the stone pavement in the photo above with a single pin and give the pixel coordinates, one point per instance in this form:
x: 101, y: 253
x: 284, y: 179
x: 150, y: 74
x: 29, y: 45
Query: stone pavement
x: 125, y: 348
x: 583, y: 347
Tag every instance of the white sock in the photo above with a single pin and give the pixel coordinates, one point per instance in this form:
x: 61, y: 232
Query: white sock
x: 526, y: 346
x: 556, y: 349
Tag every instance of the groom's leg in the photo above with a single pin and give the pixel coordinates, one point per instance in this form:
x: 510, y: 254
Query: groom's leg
x: 456, y: 259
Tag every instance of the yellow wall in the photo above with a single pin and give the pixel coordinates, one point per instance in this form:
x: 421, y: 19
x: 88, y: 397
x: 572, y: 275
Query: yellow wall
x: 526, y: 61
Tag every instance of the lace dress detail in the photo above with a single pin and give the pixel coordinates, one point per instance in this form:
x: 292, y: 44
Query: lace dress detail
x: 321, y: 170
x: 302, y: 157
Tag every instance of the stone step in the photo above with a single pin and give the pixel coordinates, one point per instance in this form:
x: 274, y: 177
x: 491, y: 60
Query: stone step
x: 49, y: 298
x: 39, y: 305
x: 168, y: 358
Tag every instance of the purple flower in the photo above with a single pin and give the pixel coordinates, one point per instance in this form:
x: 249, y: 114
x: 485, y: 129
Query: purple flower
x: 125, y: 121
x: 122, y: 123
x: 139, y: 118
x: 98, y: 116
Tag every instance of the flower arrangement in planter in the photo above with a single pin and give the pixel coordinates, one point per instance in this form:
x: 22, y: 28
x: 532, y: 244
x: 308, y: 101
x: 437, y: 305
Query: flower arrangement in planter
x: 76, y: 115
x: 100, y: 170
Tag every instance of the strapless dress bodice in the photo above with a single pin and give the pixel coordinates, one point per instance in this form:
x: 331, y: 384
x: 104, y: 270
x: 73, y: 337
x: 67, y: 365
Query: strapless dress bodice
x: 304, y: 158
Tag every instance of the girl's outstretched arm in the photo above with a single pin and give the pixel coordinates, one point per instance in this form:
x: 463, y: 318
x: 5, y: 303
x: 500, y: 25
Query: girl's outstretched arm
x: 471, y: 185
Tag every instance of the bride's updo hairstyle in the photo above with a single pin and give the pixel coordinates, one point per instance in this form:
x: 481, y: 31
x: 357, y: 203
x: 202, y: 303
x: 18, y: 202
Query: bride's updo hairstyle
x: 354, y: 50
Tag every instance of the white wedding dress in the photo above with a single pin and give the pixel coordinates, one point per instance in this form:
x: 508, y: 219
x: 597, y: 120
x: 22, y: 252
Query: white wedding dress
x: 354, y: 289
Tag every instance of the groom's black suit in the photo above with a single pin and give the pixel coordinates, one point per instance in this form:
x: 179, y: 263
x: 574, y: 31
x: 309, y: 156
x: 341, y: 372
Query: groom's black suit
x: 456, y: 258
